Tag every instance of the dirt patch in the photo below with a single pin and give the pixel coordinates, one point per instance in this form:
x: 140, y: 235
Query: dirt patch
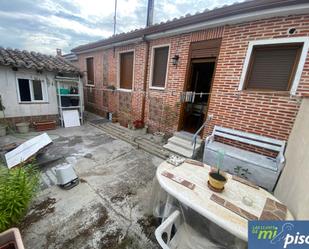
x: 115, y: 240
x: 88, y: 155
x: 149, y: 225
x: 99, y: 140
x: 75, y: 140
x: 38, y: 211
x: 121, y: 196
x: 82, y: 180
x: 87, y: 230
x: 59, y: 148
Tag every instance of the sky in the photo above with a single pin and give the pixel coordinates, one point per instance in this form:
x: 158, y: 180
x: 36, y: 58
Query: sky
x: 44, y: 25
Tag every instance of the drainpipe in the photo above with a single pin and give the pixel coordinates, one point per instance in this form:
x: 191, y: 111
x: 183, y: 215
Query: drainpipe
x: 145, y: 78
x: 150, y: 8
x: 149, y: 22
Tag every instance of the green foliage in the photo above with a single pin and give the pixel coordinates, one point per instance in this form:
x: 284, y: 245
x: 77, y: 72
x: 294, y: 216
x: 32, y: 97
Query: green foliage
x: 17, y: 188
x: 220, y: 157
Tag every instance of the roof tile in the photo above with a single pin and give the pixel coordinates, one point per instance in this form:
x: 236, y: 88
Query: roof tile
x: 36, y: 61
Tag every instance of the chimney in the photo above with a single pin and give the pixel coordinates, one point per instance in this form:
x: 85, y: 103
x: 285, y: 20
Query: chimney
x: 150, y: 8
x: 59, y: 52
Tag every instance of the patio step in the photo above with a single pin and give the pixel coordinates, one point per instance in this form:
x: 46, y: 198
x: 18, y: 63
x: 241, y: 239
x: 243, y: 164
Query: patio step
x: 179, y: 150
x: 128, y: 136
x: 118, y: 128
x: 181, y: 143
x: 187, y: 136
x: 152, y: 148
x: 117, y: 131
x: 186, y: 144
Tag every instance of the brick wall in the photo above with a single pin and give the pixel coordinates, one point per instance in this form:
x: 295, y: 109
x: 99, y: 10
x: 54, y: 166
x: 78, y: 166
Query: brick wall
x: 266, y: 113
x: 271, y: 114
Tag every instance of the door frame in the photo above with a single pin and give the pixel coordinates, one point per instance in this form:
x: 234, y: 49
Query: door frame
x: 210, y: 60
x: 188, y: 78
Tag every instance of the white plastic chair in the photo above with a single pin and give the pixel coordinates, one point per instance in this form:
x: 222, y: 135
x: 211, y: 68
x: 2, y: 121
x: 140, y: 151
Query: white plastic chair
x: 165, y: 229
x: 183, y: 236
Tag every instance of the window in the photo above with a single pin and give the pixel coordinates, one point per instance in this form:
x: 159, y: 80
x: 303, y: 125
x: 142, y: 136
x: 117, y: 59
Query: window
x: 273, y: 67
x: 37, y: 90
x: 126, y: 70
x: 274, y: 64
x: 90, y: 71
x: 159, y: 66
x: 31, y: 90
x: 24, y: 90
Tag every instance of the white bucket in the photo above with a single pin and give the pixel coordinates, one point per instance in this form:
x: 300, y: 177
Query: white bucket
x: 23, y: 127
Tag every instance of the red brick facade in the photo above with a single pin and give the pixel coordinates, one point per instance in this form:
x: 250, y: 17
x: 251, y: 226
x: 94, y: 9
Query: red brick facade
x: 266, y: 113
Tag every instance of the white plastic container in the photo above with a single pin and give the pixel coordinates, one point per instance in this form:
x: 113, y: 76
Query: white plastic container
x: 23, y: 127
x: 66, y: 176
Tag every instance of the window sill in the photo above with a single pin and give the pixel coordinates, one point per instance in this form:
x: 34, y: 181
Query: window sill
x: 124, y: 90
x: 282, y: 93
x: 157, y: 88
x: 33, y: 102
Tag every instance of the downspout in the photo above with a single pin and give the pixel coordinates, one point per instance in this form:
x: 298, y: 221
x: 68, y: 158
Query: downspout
x: 149, y: 22
x: 145, y: 78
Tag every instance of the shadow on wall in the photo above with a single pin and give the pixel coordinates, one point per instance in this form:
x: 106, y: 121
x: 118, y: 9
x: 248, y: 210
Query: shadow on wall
x: 292, y: 188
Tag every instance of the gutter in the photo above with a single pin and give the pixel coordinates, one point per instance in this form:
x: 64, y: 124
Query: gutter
x: 112, y: 45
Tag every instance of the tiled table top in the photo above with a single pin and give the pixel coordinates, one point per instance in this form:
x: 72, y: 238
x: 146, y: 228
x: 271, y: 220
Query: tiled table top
x: 200, y: 197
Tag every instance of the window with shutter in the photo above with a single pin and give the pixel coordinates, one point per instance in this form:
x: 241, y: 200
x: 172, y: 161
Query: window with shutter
x: 126, y: 70
x: 272, y: 67
x: 90, y: 71
x: 159, y: 66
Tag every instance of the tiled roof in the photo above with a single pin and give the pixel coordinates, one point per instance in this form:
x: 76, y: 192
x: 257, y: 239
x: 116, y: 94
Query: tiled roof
x: 37, y: 61
x: 207, y: 15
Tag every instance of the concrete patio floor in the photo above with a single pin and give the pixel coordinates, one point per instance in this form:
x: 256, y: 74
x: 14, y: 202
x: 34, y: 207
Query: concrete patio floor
x: 109, y: 208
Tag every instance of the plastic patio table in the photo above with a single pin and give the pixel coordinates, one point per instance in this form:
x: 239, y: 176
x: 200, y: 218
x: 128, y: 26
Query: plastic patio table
x: 199, y: 200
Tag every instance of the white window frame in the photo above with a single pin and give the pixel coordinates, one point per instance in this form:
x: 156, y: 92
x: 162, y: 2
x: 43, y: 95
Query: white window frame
x: 152, y: 65
x: 280, y: 41
x: 119, y: 68
x: 43, y: 86
x: 94, y: 78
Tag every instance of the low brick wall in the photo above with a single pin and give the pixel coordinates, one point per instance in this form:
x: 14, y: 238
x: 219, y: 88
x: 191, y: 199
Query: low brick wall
x: 14, y: 120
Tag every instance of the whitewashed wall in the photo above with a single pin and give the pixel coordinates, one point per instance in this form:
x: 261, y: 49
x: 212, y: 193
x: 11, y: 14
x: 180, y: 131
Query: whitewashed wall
x: 9, y: 94
x: 293, y: 185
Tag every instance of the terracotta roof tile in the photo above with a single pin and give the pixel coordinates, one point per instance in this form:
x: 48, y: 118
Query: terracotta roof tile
x: 36, y: 61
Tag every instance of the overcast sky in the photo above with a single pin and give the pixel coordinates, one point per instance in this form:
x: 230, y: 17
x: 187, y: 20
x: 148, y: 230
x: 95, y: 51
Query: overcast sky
x: 44, y: 25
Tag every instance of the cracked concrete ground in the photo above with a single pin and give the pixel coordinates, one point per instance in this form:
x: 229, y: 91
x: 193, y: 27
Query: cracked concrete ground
x: 108, y: 209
